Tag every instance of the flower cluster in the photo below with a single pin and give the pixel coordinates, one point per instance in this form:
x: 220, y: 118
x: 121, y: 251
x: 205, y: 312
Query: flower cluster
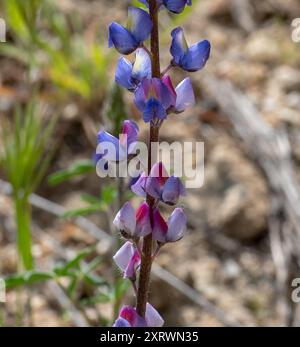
x: 156, y: 98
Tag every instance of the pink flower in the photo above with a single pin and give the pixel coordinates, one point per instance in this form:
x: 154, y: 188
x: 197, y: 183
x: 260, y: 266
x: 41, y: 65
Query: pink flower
x: 133, y: 223
x: 171, y: 231
x: 159, y: 185
x: 128, y: 259
x: 128, y: 317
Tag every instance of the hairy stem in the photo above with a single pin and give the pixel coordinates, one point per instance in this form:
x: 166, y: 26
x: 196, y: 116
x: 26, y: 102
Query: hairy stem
x: 146, y: 261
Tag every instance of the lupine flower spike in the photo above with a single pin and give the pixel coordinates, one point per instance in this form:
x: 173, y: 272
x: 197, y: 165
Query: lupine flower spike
x: 144, y: 228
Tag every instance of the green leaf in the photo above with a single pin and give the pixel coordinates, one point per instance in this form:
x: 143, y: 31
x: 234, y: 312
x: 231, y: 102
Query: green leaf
x: 73, y: 263
x: 108, y: 194
x: 26, y: 278
x: 93, y: 200
x: 77, y: 169
x: 94, y: 280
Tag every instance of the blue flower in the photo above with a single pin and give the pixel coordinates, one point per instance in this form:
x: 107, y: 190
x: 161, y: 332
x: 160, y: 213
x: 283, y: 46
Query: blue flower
x: 188, y: 58
x: 153, y: 98
x: 112, y: 149
x: 127, y: 40
x: 175, y: 6
x: 129, y: 75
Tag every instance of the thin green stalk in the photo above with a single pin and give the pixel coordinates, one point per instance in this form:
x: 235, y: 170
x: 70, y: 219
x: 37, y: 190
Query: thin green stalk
x: 23, y: 218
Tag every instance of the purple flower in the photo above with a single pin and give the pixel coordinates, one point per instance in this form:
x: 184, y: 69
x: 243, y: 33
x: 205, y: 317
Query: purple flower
x: 188, y: 58
x: 175, y: 6
x: 129, y: 75
x: 159, y: 185
x: 133, y: 223
x: 128, y: 317
x: 127, y: 40
x: 184, y: 94
x: 153, y: 97
x: 128, y: 260
x: 119, y: 148
x: 171, y: 231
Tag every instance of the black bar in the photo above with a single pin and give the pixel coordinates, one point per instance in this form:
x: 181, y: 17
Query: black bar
x: 88, y: 337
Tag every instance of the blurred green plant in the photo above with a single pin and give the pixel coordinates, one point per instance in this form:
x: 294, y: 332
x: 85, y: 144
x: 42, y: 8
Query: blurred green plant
x: 79, y: 168
x: 25, y: 161
x: 47, y: 39
x: 78, y: 273
x: 94, y: 204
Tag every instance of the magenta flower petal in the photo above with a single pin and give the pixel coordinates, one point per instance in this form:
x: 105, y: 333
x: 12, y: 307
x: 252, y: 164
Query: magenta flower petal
x: 172, y: 190
x: 168, y: 82
x: 125, y: 219
x: 143, y: 223
x: 160, y: 227
x: 131, y: 316
x: 163, y: 93
x: 185, y: 95
x: 128, y: 317
x: 153, y: 318
x: 139, y: 186
x: 176, y: 225
x: 133, y: 265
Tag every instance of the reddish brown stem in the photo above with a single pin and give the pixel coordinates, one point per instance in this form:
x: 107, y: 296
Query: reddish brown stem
x: 146, y: 261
